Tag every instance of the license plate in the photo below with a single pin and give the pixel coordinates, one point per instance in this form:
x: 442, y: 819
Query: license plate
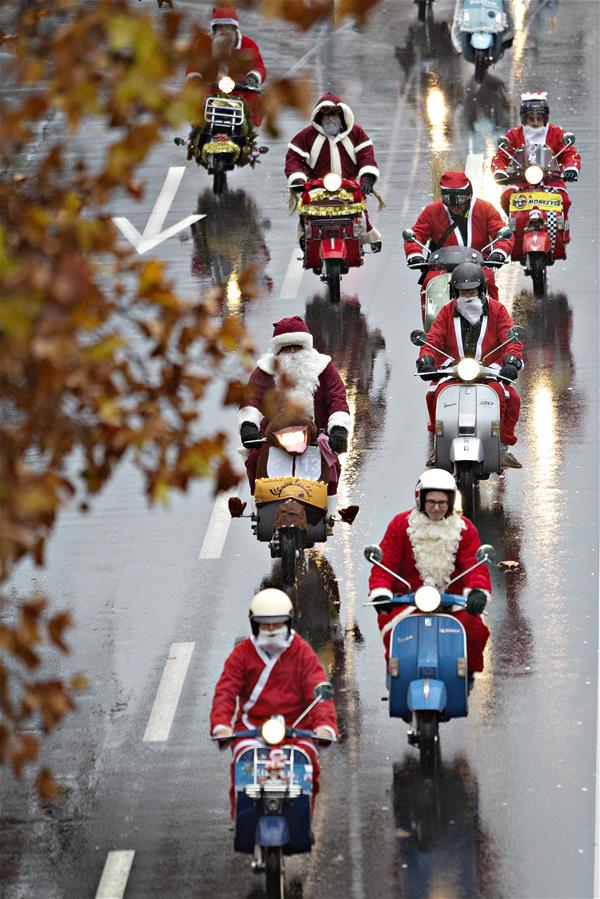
x: 527, y: 199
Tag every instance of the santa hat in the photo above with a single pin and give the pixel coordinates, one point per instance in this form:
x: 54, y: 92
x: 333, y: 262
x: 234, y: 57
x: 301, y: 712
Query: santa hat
x: 541, y: 96
x: 454, y: 181
x: 290, y: 332
x: 224, y: 15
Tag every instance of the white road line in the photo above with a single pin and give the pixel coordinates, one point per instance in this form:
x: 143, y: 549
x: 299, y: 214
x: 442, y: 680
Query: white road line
x: 169, y: 691
x: 115, y: 874
x: 218, y: 526
x: 293, y: 277
x: 596, y: 893
x: 474, y: 171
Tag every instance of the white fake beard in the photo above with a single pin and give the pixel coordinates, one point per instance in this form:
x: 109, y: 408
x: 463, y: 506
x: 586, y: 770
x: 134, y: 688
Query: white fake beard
x: 534, y: 135
x: 434, y: 545
x: 332, y: 129
x: 302, y: 370
x: 471, y: 309
x: 273, y: 641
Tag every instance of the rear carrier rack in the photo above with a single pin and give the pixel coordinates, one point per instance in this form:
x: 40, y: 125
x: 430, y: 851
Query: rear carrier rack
x: 224, y: 112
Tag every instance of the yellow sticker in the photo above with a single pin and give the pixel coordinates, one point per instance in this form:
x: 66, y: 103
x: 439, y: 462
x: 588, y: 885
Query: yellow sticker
x: 527, y: 199
x: 269, y: 490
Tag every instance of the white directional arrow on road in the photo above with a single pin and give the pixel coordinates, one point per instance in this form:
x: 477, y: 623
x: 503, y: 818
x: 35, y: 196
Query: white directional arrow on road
x: 152, y: 235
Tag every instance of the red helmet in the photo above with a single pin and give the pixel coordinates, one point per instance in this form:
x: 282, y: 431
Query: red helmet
x: 455, y: 189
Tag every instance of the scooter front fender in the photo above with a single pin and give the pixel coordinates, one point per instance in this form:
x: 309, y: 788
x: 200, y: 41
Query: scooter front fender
x: 332, y: 248
x: 481, y: 40
x: 427, y: 695
x: 272, y: 830
x: 536, y: 242
x: 466, y: 449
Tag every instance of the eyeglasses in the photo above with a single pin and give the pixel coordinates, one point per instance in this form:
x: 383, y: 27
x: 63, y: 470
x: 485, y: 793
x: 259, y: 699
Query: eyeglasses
x: 432, y: 503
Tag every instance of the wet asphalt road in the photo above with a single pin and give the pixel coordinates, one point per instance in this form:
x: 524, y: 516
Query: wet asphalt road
x: 513, y: 812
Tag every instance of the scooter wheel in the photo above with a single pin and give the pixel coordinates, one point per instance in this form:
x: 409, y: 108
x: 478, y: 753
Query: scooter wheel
x: 274, y: 872
x: 287, y: 544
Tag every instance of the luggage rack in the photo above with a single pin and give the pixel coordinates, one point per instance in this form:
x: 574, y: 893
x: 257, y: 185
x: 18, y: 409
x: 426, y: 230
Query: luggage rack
x: 224, y: 112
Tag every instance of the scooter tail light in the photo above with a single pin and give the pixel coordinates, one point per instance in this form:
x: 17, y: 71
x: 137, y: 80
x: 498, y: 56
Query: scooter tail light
x: 439, y: 428
x: 394, y: 667
x: 461, y: 667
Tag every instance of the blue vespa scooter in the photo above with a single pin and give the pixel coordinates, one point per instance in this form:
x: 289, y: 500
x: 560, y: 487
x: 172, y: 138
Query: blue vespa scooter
x: 273, y: 786
x: 481, y: 32
x: 427, y: 674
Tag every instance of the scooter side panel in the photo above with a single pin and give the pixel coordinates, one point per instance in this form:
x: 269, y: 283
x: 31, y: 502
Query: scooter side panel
x: 427, y: 646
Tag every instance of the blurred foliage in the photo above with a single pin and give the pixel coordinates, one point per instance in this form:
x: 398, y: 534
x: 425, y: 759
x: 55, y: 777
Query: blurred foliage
x: 100, y: 359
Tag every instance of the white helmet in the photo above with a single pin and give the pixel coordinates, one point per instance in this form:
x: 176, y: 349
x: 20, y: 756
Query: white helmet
x: 435, y: 479
x: 270, y: 606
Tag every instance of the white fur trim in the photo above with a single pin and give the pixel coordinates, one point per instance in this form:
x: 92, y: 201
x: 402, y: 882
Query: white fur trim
x: 251, y: 414
x: 373, y: 235
x: 193, y: 75
x: 348, y: 115
x: 295, y: 176
x: 335, y: 160
x: 365, y: 143
x: 267, y: 363
x: 330, y: 729
x: 379, y: 593
x: 315, y: 150
x: 256, y: 75
x: 218, y: 21
x: 293, y: 338
x: 338, y: 420
x: 434, y: 546
x: 350, y: 148
x: 368, y: 170
x: 297, y: 150
x: 571, y: 168
x: 332, y: 504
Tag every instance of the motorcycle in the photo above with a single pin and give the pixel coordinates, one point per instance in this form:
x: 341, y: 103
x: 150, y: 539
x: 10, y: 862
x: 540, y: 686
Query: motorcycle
x: 290, y: 496
x: 273, y: 786
x: 467, y: 418
x: 332, y: 215
x: 428, y: 678
x: 480, y: 32
x: 226, y: 138
x: 536, y: 213
x: 438, y: 268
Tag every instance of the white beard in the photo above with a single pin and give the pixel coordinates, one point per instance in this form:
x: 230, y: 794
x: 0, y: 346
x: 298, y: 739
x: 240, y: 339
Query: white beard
x: 302, y: 370
x: 471, y: 309
x: 273, y: 642
x: 434, y: 545
x: 534, y: 135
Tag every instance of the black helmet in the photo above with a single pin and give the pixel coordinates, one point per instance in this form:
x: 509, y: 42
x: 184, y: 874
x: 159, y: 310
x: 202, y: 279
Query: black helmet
x: 534, y: 103
x: 466, y: 276
x: 455, y: 189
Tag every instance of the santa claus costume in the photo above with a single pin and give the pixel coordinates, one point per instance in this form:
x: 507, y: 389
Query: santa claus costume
x: 426, y: 552
x: 245, y: 59
x: 446, y: 333
x: 260, y: 684
x: 317, y: 386
x: 481, y: 225
x: 313, y: 154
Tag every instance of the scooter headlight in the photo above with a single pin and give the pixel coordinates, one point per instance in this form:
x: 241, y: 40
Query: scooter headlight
x: 332, y: 182
x: 226, y: 84
x: 468, y: 369
x: 293, y: 440
x: 427, y: 599
x: 534, y: 174
x: 273, y: 731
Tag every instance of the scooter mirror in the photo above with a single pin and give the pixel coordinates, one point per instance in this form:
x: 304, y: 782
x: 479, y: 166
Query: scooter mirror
x: 485, y: 553
x: 504, y: 234
x: 503, y: 143
x: 568, y: 139
x: 323, y: 691
x: 373, y: 553
x: 418, y: 337
x: 517, y: 332
x: 408, y: 234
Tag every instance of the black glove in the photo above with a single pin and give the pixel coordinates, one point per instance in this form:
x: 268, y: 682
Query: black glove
x: 426, y: 368
x: 250, y: 80
x: 500, y: 177
x: 367, y: 183
x: 476, y: 601
x: 570, y: 175
x: 496, y: 257
x: 249, y: 431
x: 417, y: 260
x: 384, y: 605
x: 298, y: 186
x: 338, y: 439
x: 511, y: 366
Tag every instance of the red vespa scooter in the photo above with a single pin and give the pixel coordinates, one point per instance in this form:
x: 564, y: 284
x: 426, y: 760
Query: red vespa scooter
x: 536, y: 210
x: 331, y: 211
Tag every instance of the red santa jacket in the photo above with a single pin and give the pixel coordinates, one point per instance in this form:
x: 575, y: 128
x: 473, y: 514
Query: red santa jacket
x: 311, y: 154
x: 445, y: 333
x: 569, y: 159
x: 330, y: 405
x: 260, y: 686
x: 245, y: 58
x: 483, y: 223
